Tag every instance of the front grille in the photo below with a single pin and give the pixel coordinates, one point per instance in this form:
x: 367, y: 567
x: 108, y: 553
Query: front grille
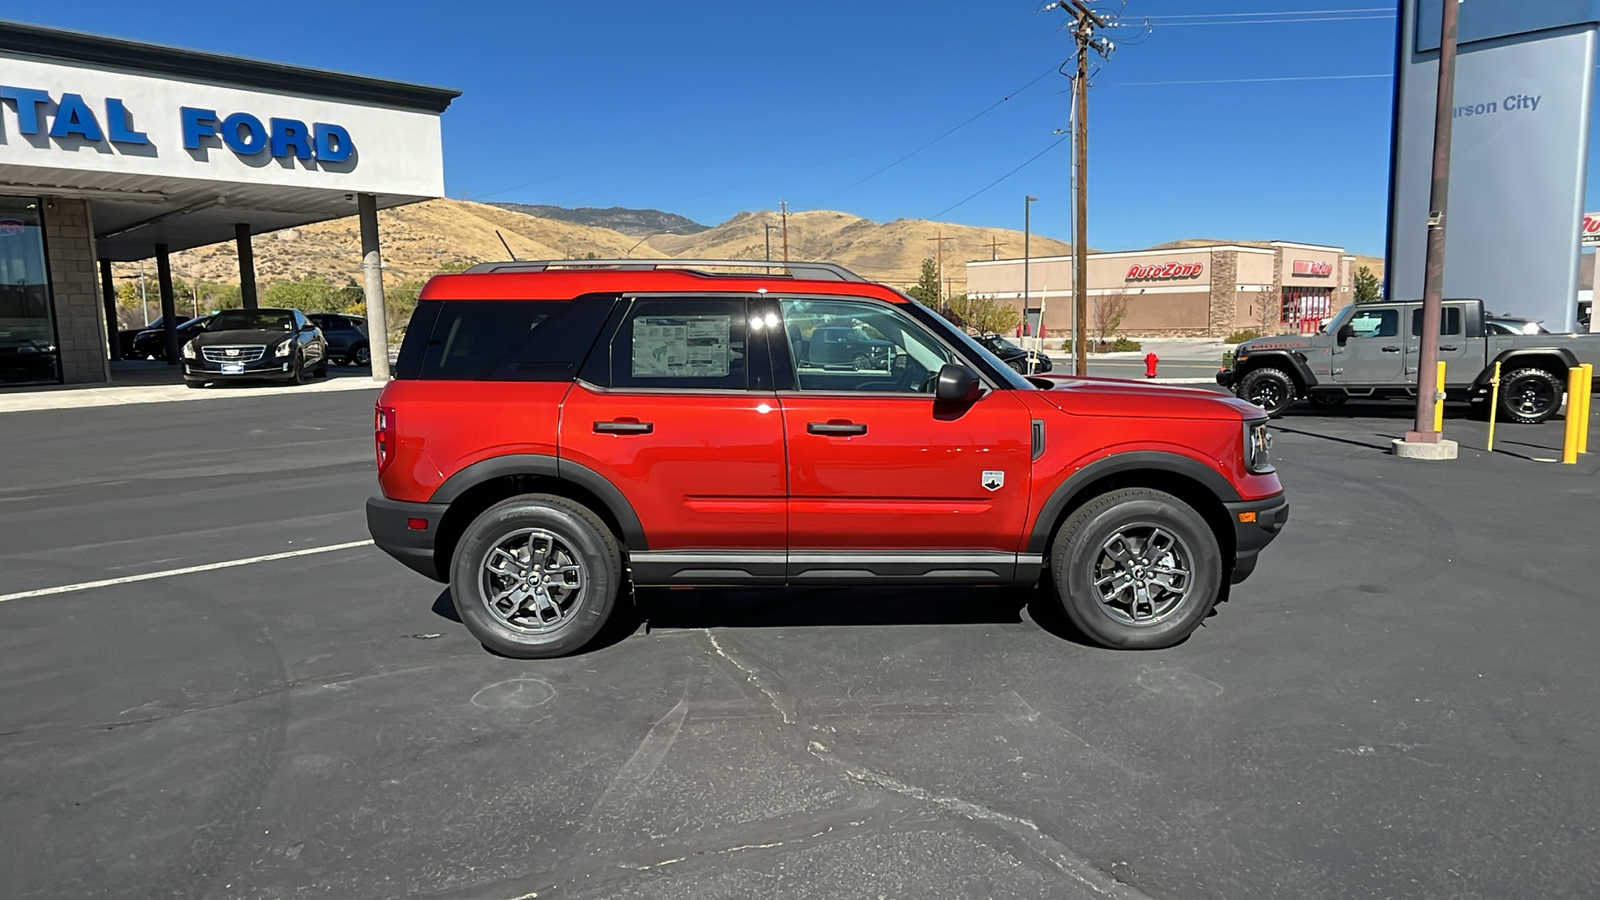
x: 240, y: 354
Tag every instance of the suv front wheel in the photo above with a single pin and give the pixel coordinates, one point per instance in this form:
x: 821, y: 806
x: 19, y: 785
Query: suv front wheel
x: 1136, y: 569
x: 536, y: 576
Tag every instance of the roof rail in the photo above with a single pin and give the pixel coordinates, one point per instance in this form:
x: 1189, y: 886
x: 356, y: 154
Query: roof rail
x: 815, y: 271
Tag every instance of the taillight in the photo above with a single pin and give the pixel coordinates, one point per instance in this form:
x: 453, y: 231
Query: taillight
x: 383, y: 435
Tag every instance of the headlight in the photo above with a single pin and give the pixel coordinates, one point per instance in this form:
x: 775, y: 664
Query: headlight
x: 1257, y: 447
x: 285, y: 348
x: 188, y: 350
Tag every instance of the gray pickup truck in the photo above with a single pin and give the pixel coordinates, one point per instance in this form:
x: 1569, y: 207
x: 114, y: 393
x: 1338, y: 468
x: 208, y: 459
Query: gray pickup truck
x: 1370, y: 352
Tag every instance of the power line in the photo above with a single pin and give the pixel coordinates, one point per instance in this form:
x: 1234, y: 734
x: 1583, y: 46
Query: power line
x: 1161, y: 24
x: 1273, y: 14
x: 1244, y: 80
x: 1053, y: 144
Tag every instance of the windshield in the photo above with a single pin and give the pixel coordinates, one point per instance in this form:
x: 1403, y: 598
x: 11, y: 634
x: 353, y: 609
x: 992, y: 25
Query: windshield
x: 253, y: 320
x: 1002, y: 343
x: 963, y: 340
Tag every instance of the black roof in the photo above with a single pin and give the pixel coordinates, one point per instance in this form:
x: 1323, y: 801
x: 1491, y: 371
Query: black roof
x: 93, y: 49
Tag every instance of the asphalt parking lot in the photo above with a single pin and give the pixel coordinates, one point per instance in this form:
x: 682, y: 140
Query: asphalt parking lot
x: 1399, y: 703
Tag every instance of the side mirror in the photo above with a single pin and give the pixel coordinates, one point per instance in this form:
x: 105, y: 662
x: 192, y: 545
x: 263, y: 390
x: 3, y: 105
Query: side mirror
x: 1345, y: 331
x: 308, y: 327
x: 957, y: 384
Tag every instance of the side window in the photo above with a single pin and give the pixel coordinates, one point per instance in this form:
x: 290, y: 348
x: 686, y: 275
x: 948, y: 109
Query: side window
x: 682, y: 342
x: 1369, y: 323
x: 1449, y: 321
x: 510, y: 340
x: 859, y: 346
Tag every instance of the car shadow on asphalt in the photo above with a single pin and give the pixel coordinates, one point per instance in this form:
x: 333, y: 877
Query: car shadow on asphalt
x: 804, y: 607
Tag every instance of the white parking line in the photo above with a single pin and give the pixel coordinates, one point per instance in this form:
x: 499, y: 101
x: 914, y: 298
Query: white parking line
x: 186, y: 570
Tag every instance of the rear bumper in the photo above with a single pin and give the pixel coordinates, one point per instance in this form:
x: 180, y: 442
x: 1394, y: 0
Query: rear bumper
x: 390, y: 522
x: 1250, y: 537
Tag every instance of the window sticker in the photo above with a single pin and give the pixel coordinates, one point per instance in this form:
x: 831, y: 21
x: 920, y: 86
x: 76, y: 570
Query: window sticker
x: 681, y: 346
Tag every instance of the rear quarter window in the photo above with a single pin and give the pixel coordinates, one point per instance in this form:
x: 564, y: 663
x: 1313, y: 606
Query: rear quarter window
x: 501, y: 340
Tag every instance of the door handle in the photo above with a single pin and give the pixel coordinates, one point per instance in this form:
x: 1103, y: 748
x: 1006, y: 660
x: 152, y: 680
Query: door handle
x: 836, y: 428
x: 1448, y: 347
x: 624, y: 427
x: 1391, y: 349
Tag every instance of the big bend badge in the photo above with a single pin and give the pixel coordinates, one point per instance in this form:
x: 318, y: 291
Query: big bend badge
x: 993, y: 481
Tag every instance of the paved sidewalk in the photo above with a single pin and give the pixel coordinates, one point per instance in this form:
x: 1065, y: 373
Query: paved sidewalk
x: 155, y: 383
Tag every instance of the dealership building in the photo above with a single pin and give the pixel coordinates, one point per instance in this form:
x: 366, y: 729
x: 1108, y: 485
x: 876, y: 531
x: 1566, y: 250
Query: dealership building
x: 1199, y: 291
x: 112, y: 150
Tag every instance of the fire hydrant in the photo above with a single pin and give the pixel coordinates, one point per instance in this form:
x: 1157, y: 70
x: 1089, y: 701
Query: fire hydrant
x: 1150, y: 361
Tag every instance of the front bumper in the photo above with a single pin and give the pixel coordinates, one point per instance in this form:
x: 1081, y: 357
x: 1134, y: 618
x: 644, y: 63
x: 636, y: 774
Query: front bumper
x: 390, y: 521
x: 266, y: 367
x: 1225, y: 378
x: 1267, y: 519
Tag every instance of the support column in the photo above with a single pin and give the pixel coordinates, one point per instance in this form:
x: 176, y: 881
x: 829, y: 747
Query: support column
x: 372, y: 277
x: 247, y: 265
x: 169, y: 304
x: 108, y: 293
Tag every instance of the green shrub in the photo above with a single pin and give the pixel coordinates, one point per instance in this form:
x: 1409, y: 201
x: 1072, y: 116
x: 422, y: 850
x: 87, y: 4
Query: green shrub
x: 1122, y: 345
x: 1239, y: 337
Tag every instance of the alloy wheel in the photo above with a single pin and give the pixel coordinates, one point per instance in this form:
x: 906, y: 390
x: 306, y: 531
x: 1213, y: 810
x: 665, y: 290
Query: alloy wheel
x: 1142, y: 574
x: 533, y: 580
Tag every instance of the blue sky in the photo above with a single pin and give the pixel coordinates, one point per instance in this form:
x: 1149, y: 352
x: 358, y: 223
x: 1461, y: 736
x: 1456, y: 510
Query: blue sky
x: 710, y: 108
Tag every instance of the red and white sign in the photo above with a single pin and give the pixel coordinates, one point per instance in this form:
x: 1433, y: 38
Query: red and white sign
x: 1164, y: 270
x: 12, y: 227
x: 1312, y: 268
x: 1591, y: 229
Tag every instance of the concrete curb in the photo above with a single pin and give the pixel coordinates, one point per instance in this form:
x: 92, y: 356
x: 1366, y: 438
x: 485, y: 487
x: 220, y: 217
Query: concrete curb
x: 80, y: 398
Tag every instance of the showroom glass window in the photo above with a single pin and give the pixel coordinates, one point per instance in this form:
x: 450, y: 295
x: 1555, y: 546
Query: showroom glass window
x: 27, y: 334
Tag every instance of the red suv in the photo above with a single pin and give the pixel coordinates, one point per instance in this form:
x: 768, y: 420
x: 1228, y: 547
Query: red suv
x: 557, y: 431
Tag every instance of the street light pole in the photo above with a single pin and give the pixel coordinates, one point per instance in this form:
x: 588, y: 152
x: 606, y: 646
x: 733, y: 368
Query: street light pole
x: 1027, y: 264
x: 1428, y: 387
x: 769, y: 226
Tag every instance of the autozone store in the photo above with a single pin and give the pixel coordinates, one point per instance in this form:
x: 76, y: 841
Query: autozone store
x: 112, y: 150
x: 1206, y: 291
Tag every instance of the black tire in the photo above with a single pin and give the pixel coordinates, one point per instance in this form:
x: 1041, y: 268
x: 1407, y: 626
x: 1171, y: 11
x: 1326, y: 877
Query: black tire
x: 519, y: 632
x: 361, y: 355
x: 1269, y: 388
x: 1079, y: 555
x: 1020, y: 366
x: 322, y: 369
x: 861, y: 361
x: 297, y: 372
x: 1530, y: 395
x: 195, y: 384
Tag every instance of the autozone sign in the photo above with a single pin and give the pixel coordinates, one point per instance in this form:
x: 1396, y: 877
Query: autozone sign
x: 1591, y: 229
x: 1164, y: 270
x: 1313, y: 269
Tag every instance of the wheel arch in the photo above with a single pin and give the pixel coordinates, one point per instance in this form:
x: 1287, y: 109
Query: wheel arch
x: 1291, y: 364
x: 1203, y: 488
x: 483, y: 484
x: 1557, y: 360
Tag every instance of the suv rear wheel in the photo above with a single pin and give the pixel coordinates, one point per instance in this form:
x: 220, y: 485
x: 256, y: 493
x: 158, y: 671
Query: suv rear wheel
x: 536, y: 576
x: 1136, y: 569
x: 1530, y: 395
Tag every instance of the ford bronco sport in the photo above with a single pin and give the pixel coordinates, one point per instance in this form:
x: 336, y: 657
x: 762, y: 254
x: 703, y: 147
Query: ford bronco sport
x: 558, y: 431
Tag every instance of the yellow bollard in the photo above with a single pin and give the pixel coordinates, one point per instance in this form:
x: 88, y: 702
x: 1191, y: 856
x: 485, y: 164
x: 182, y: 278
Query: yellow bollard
x: 1494, y: 402
x: 1586, y: 395
x: 1569, y: 444
x: 1438, y: 403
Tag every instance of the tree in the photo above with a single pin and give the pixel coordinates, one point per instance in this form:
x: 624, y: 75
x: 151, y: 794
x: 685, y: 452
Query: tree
x: 1367, y: 288
x: 1109, y: 311
x: 985, y: 315
x: 926, y: 290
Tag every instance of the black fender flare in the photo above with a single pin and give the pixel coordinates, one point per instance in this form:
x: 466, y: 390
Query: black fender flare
x: 548, y: 467
x: 1283, y: 359
x: 1507, y: 357
x: 1063, y: 497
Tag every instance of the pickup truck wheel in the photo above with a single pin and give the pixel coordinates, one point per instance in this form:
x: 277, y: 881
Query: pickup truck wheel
x: 536, y: 576
x: 1271, y: 389
x: 1136, y: 569
x: 1530, y: 395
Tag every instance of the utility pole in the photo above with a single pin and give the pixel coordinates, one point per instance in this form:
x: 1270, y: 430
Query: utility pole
x: 769, y: 226
x: 1027, y: 262
x: 994, y: 247
x: 1423, y: 441
x: 939, y: 253
x: 1083, y: 32
x: 785, y: 205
